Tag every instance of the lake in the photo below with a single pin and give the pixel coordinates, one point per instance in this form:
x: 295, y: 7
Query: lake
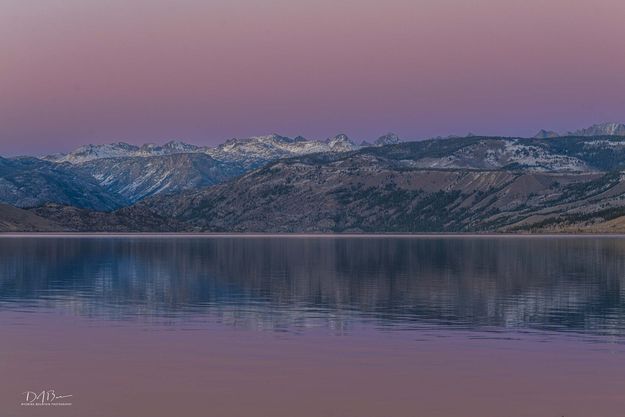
x: 312, y: 326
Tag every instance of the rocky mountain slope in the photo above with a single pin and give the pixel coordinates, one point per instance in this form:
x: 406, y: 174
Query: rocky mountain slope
x: 600, y: 129
x: 29, y: 182
x: 247, y: 152
x: 120, y: 150
x: 135, y: 172
x: 257, y: 151
x: 455, y: 185
x: 135, y: 178
x: 470, y: 184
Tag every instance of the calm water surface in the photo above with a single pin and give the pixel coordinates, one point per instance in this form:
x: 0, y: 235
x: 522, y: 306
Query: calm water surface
x: 314, y: 326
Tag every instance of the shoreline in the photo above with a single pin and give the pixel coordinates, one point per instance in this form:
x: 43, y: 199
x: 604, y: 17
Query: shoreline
x: 208, y: 235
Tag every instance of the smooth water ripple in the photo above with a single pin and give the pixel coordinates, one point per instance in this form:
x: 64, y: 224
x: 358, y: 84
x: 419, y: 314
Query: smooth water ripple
x: 499, y: 284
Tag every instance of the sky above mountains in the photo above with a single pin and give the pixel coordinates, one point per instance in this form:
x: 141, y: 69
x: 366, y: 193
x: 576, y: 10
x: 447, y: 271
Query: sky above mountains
x: 88, y: 71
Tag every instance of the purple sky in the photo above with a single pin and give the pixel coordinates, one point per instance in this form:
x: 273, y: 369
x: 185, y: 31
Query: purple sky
x: 92, y: 71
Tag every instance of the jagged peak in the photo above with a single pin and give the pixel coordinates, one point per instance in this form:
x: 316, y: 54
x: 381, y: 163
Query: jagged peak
x: 545, y: 134
x: 179, y: 145
x: 274, y: 137
x: 387, y: 139
x: 341, y: 137
x: 149, y: 146
x: 120, y: 144
x: 598, y: 129
x: 609, y: 125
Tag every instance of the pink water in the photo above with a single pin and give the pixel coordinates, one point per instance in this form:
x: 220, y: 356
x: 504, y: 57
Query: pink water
x: 363, y: 327
x: 154, y: 370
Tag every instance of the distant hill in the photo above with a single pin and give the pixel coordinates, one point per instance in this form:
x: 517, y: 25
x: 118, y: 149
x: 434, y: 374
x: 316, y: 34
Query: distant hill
x: 546, y: 134
x: 13, y: 219
x: 128, y: 219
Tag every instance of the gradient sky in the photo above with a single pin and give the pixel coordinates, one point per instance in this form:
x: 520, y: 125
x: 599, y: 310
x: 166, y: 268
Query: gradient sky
x: 92, y: 71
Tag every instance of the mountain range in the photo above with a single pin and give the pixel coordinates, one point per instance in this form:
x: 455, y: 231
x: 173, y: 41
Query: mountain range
x: 549, y: 183
x: 249, y: 152
x: 601, y: 129
x: 135, y: 172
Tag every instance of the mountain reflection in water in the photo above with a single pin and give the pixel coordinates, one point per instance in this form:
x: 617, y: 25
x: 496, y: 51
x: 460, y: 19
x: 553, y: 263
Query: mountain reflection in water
x: 291, y: 283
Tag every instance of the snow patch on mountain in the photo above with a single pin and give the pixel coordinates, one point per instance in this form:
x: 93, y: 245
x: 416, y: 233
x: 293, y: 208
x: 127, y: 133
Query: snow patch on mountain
x: 121, y: 150
x: 493, y: 154
x: 248, y: 151
x: 601, y: 129
x: 603, y: 143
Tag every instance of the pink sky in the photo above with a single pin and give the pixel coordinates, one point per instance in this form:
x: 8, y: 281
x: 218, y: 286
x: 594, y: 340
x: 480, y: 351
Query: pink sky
x: 92, y: 71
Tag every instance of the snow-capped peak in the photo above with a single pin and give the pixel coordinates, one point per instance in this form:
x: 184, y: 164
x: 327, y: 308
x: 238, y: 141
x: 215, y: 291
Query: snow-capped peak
x: 247, y: 151
x: 180, y: 146
x: 341, y: 143
x: 602, y: 129
x: 90, y: 152
x: 120, y: 150
x: 388, y: 139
